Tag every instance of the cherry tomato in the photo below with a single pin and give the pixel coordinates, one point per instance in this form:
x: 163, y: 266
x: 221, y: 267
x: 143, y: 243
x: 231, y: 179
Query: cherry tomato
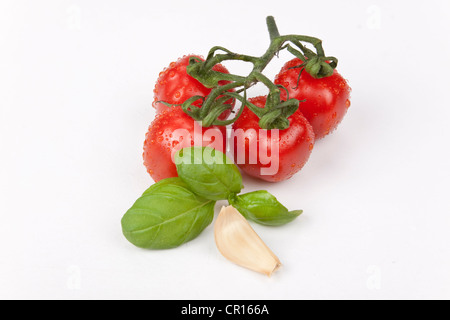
x: 271, y: 155
x: 327, y: 99
x: 175, y: 86
x: 170, y: 131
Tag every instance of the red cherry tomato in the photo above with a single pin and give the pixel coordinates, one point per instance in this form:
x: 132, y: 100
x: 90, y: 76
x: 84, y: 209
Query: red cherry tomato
x: 327, y: 99
x: 170, y: 131
x: 271, y: 155
x: 175, y: 86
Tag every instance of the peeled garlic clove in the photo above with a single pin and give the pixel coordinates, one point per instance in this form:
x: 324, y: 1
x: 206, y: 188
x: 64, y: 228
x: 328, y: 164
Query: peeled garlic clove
x: 239, y: 243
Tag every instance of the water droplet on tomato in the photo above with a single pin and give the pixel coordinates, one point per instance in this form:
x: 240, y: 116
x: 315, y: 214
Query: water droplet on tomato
x: 311, y: 146
x: 334, y: 115
x: 347, y: 103
x: 177, y: 95
x: 160, y: 138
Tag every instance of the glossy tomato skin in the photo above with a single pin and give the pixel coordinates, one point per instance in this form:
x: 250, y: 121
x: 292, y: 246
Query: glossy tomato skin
x: 294, y: 144
x: 170, y: 131
x: 327, y: 99
x: 175, y: 85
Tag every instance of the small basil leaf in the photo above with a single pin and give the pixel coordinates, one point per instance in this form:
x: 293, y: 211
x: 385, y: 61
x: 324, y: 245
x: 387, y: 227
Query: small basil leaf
x: 208, y: 172
x: 263, y: 208
x: 167, y: 215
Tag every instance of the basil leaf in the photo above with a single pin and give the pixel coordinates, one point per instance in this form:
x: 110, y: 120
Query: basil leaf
x: 167, y: 215
x: 263, y: 208
x: 208, y: 172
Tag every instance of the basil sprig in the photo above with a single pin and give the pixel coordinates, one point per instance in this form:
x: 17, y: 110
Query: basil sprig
x: 208, y: 172
x: 176, y: 210
x: 263, y: 208
x: 167, y: 215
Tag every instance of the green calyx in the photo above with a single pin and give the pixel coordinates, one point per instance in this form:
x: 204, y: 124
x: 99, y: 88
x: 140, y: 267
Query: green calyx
x: 275, y: 113
x: 319, y: 68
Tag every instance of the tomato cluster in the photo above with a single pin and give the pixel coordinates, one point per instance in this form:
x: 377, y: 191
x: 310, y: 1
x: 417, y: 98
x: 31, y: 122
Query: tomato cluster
x: 323, y: 105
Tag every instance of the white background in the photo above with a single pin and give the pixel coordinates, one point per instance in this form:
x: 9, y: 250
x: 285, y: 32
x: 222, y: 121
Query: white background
x: 76, y: 82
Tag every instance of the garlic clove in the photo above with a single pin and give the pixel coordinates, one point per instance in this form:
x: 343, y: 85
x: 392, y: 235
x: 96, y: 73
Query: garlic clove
x: 239, y: 243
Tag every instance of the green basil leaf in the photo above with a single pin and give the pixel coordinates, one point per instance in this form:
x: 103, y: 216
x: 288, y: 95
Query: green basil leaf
x: 263, y: 208
x: 208, y: 172
x: 167, y: 215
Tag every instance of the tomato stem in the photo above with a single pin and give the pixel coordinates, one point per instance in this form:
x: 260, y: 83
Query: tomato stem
x: 275, y: 112
x: 272, y: 26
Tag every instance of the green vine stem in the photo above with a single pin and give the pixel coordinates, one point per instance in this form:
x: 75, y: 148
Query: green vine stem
x: 275, y: 113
